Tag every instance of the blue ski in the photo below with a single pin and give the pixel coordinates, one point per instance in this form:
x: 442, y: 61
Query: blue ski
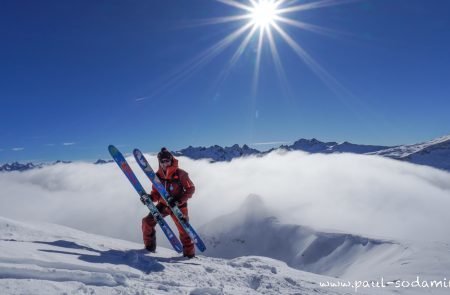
x: 163, y: 192
x: 123, y: 165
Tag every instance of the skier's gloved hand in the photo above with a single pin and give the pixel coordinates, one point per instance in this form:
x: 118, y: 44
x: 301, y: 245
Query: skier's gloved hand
x: 184, y: 218
x: 171, y: 201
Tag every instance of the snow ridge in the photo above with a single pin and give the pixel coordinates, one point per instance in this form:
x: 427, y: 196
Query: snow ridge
x: 252, y: 230
x: 51, y: 259
x: 434, y: 153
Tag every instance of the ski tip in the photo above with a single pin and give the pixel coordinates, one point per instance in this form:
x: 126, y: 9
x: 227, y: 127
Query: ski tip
x: 111, y: 148
x: 139, y: 156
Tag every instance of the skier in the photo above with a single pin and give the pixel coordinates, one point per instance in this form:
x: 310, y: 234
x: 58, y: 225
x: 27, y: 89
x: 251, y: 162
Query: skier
x: 178, y: 184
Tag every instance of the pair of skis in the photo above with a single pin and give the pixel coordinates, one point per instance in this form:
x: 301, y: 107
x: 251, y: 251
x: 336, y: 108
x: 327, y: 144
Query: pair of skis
x: 143, y: 163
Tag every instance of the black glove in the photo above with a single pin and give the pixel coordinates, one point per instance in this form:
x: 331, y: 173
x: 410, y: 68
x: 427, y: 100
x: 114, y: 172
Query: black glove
x: 144, y: 198
x: 171, y: 201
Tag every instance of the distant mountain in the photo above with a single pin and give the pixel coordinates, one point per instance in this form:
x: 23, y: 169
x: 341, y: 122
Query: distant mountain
x: 217, y: 153
x: 100, y: 162
x: 435, y: 153
x: 61, y: 162
x: 316, y: 146
x: 16, y: 166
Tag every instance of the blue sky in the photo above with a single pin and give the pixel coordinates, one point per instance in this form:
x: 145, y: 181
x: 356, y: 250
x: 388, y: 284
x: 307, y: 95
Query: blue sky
x: 76, y: 76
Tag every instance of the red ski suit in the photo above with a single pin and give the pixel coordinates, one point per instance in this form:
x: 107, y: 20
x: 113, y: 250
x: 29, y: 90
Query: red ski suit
x: 178, y: 184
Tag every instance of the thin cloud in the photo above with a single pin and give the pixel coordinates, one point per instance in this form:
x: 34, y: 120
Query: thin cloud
x: 18, y: 149
x: 68, y: 143
x: 141, y: 98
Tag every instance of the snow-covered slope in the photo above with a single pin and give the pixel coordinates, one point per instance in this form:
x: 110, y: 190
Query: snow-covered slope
x: 51, y: 259
x: 253, y: 231
x: 434, y: 153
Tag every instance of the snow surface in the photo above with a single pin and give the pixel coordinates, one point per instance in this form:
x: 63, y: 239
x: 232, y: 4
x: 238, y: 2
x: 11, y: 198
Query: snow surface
x: 346, y: 256
x: 51, y: 259
x: 435, y: 153
x: 406, y: 150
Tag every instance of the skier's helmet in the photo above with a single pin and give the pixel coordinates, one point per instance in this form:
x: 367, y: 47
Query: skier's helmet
x: 164, y: 154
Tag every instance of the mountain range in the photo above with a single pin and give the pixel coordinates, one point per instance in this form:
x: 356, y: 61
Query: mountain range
x: 16, y: 166
x: 434, y: 153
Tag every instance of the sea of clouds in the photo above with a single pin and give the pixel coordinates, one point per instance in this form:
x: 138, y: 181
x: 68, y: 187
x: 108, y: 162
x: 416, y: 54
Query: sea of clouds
x: 367, y: 195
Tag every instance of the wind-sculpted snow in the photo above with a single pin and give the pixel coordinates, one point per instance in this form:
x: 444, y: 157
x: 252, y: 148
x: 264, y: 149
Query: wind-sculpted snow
x: 50, y: 259
x: 253, y: 230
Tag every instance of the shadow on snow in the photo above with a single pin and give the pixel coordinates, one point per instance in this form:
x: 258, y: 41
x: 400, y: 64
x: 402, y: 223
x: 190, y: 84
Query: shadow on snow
x: 133, y: 258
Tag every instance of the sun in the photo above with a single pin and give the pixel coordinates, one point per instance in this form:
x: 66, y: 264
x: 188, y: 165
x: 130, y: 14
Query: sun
x: 263, y: 13
x: 262, y: 22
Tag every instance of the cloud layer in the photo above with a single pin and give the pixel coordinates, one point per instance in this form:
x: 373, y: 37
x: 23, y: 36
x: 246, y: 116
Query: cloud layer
x: 366, y: 195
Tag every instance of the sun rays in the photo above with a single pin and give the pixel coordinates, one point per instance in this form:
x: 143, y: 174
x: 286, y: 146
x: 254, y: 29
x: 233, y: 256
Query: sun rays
x: 264, y: 20
x: 260, y: 22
